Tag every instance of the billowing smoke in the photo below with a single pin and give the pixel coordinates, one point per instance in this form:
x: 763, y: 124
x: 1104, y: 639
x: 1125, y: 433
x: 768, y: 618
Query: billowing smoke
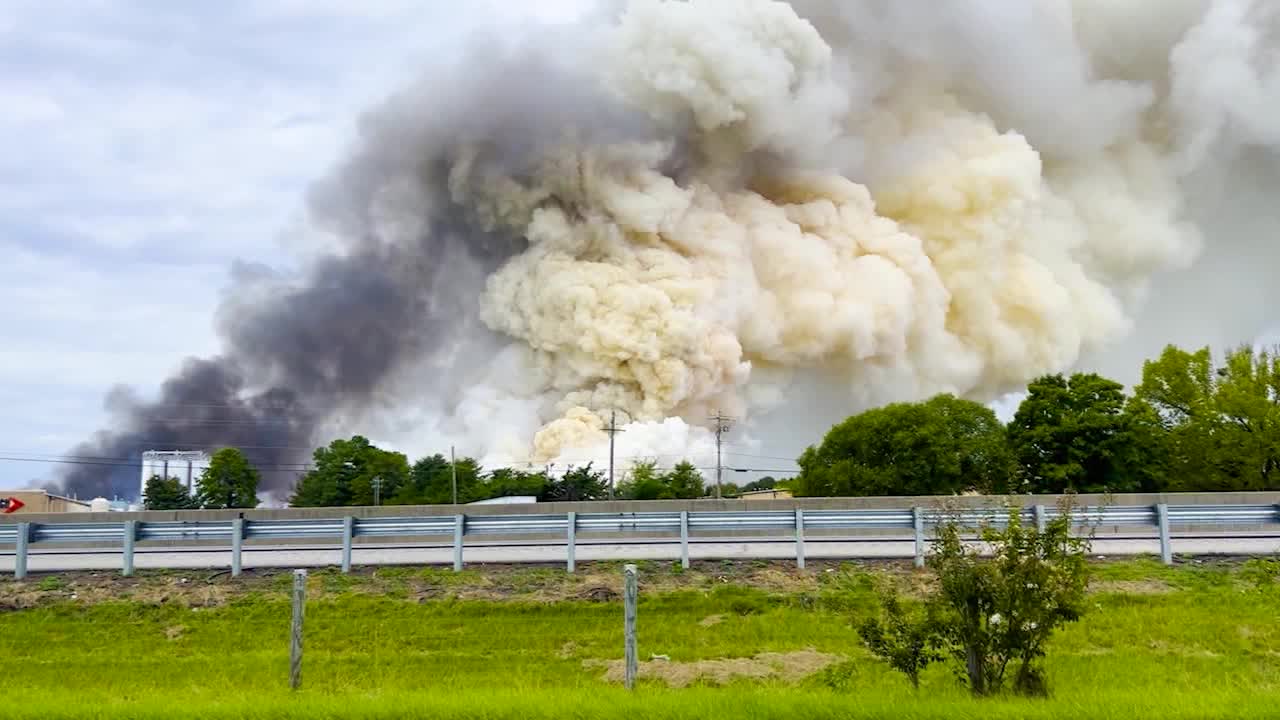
x: 727, y: 205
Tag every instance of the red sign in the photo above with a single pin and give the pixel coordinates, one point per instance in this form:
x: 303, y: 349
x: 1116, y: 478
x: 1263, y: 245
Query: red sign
x: 11, y: 504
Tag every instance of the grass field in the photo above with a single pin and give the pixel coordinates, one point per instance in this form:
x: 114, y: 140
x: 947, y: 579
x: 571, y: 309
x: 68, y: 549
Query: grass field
x: 752, y: 640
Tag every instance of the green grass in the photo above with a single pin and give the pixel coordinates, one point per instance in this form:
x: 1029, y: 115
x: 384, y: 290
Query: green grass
x: 1195, y: 641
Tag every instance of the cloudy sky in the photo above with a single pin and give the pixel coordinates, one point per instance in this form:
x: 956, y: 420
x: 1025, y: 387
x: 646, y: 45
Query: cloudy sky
x: 148, y: 144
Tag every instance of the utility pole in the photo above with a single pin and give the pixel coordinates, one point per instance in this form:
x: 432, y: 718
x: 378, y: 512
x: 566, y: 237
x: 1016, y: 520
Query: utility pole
x: 453, y: 464
x: 377, y: 490
x: 613, y: 429
x: 722, y: 426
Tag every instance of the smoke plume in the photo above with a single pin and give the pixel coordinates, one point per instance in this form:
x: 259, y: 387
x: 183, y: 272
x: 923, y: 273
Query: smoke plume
x: 726, y: 205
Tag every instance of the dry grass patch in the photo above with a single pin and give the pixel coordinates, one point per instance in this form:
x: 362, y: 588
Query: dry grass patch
x: 789, y: 667
x: 1131, y: 587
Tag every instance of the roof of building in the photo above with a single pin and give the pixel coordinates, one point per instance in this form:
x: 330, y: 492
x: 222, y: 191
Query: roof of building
x: 42, y: 491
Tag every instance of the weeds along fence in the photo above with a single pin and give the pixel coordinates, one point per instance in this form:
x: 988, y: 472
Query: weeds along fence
x: 745, y: 530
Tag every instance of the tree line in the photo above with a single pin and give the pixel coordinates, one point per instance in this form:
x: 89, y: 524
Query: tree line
x: 353, y: 472
x: 1191, y: 425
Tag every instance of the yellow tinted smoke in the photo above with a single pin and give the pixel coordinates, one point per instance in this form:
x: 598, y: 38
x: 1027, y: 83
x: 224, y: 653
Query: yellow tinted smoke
x: 970, y: 265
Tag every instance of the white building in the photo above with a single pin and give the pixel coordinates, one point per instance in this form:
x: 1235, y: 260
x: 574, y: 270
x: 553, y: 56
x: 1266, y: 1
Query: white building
x: 184, y: 465
x: 509, y: 500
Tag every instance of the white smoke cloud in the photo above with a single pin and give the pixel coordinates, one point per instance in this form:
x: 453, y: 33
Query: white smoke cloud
x: 853, y: 202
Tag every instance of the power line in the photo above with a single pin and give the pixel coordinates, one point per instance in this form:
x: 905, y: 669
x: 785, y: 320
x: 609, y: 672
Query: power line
x: 139, y: 465
x: 762, y: 457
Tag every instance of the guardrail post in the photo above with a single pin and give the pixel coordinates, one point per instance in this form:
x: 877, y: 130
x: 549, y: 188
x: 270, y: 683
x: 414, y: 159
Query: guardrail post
x: 237, y: 545
x: 684, y: 539
x: 459, y: 528
x: 800, y: 538
x: 917, y: 522
x: 21, y: 541
x: 571, y: 533
x: 130, y: 534
x: 630, y: 595
x: 1166, y: 544
x: 1040, y: 518
x: 295, y: 628
x: 348, y: 531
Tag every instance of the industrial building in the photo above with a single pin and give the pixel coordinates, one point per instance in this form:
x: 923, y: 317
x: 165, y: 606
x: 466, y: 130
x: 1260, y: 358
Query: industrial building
x: 41, y: 501
x: 184, y: 465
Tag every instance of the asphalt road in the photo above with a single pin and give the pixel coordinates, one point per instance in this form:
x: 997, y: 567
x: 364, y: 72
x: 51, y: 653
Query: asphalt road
x: 50, y: 559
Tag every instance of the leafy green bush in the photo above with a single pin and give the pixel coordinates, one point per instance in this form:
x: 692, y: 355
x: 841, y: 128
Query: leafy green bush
x: 993, y: 613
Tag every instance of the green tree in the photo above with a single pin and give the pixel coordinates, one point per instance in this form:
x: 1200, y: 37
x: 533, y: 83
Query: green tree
x: 1080, y: 434
x: 643, y: 482
x: 1247, y: 400
x: 685, y: 482
x: 764, y: 483
x: 166, y: 494
x: 508, y: 482
x: 431, y: 482
x: 230, y: 481
x: 344, y: 473
x: 1222, y: 422
x: 942, y: 446
x: 577, y: 485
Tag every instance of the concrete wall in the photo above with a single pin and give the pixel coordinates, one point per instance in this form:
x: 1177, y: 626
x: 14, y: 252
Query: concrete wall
x: 622, y: 506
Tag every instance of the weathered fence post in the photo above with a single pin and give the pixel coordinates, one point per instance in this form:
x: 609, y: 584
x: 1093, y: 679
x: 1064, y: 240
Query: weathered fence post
x: 630, y: 595
x: 295, y: 628
x: 130, y: 534
x: 800, y: 538
x: 917, y: 521
x: 1166, y: 544
x: 348, y: 531
x: 20, y: 551
x: 237, y: 545
x: 1040, y: 518
x: 684, y: 539
x: 571, y: 534
x: 459, y: 529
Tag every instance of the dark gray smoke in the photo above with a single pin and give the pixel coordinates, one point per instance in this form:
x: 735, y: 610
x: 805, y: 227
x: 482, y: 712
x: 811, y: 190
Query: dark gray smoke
x: 402, y: 285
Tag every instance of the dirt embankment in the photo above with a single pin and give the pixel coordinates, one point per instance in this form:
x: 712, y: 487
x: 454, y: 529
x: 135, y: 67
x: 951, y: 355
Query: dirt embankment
x: 594, y: 582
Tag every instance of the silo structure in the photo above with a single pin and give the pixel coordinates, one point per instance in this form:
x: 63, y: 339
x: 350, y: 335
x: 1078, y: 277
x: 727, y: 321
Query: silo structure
x: 185, y: 466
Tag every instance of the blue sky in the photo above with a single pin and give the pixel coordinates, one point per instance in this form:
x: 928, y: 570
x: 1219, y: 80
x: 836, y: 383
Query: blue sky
x: 148, y: 144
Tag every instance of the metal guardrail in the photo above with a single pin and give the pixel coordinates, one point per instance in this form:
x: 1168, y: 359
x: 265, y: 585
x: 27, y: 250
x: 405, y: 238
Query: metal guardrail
x: 662, y: 526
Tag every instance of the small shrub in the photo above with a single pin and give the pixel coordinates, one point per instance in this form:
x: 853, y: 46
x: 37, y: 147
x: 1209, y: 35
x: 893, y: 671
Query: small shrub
x: 841, y: 676
x: 908, y: 640
x: 51, y: 583
x: 1263, y: 573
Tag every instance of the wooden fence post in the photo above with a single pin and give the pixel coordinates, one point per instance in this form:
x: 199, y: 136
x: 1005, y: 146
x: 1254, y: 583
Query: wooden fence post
x: 130, y: 535
x: 237, y: 545
x: 631, y: 591
x: 348, y: 530
x: 20, y: 551
x: 295, y: 629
